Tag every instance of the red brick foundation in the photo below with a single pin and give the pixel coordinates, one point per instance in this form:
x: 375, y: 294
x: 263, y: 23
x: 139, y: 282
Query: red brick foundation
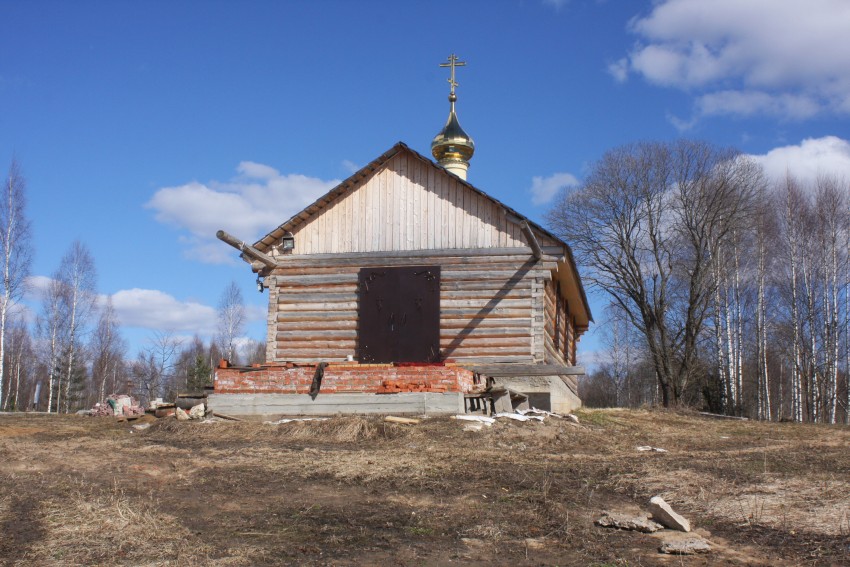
x: 343, y: 378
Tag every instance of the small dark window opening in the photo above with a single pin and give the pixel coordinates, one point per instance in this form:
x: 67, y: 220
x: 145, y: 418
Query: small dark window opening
x: 540, y: 400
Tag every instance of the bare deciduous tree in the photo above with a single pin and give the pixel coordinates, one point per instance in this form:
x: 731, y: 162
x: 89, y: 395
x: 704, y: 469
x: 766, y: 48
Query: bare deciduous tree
x: 15, y: 252
x: 231, y: 319
x: 52, y: 331
x: 77, y: 278
x: 153, y: 371
x: 648, y: 222
x: 18, y: 361
x: 108, y: 349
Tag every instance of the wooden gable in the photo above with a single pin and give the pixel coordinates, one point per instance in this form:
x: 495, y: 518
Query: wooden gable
x: 408, y: 204
x: 404, y: 202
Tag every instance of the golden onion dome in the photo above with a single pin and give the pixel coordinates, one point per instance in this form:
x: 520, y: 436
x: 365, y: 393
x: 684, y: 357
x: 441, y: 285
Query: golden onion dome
x: 452, y: 144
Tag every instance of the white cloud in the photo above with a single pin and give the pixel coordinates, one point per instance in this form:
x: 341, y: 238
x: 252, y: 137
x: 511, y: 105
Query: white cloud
x: 247, y: 206
x: 154, y: 309
x: 36, y: 287
x: 749, y: 103
x: 782, y: 58
x: 255, y: 170
x: 350, y: 166
x: 813, y: 157
x: 544, y: 189
x: 619, y: 70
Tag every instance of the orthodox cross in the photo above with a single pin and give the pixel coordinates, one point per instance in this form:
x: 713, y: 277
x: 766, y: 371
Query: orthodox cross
x: 453, y: 62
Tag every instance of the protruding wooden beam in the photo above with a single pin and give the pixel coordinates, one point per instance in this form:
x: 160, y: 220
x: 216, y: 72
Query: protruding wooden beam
x: 519, y: 370
x: 246, y: 249
x: 532, y: 240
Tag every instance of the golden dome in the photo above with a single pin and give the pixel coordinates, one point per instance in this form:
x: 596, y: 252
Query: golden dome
x: 452, y: 144
x: 453, y: 147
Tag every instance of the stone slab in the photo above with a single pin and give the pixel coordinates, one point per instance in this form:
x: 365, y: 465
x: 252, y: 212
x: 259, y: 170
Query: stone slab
x: 664, y: 514
x: 628, y: 522
x: 691, y: 545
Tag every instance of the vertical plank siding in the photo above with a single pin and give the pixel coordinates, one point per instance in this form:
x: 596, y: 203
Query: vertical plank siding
x: 407, y: 206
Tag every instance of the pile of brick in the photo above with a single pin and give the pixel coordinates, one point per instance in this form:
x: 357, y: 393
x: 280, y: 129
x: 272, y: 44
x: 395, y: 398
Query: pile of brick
x: 398, y: 386
x: 118, y: 406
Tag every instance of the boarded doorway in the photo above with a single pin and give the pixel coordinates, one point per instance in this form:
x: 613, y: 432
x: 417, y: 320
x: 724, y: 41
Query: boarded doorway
x: 399, y: 314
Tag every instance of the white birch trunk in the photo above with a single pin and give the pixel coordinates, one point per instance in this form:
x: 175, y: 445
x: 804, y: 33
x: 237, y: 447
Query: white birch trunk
x: 718, y: 337
x: 739, y: 333
x: 796, y: 366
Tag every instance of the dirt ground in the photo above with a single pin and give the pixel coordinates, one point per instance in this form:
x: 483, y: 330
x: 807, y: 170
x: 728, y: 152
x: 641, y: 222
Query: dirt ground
x: 359, y: 491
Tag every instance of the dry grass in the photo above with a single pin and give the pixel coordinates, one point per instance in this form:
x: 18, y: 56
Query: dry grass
x: 357, y: 490
x: 101, y: 527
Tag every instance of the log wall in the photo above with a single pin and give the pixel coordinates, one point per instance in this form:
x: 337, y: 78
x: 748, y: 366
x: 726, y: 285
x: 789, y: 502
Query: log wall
x: 491, y: 308
x: 559, y: 336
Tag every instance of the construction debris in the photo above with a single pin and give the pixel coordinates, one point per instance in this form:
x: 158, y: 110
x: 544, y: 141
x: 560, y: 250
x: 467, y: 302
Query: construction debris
x: 227, y: 417
x: 690, y: 545
x: 653, y: 449
x: 164, y: 410
x: 119, y: 406
x: 519, y: 416
x: 187, y: 401
x: 664, y: 514
x: 626, y: 522
x: 402, y: 420
x: 281, y: 421
x: 479, y: 418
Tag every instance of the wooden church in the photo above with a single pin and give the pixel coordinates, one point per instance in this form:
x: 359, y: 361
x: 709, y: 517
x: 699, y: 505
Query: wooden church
x: 406, y: 289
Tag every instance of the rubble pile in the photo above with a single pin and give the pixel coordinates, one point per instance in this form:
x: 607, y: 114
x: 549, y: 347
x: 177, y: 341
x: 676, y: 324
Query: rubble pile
x: 118, y: 405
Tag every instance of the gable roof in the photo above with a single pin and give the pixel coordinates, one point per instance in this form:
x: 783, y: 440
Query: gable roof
x: 354, y: 181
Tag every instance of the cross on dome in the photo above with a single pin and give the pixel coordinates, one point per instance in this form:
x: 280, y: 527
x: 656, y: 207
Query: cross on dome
x: 453, y: 62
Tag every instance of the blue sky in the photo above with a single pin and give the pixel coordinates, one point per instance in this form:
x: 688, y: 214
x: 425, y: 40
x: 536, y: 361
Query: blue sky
x: 143, y: 127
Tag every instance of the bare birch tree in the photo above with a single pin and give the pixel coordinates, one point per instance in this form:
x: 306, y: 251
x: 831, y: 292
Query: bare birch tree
x: 18, y: 361
x: 814, y: 237
x: 108, y: 348
x: 795, y: 207
x: 52, y: 333
x: 15, y: 252
x: 77, y: 277
x: 765, y: 233
x: 231, y: 319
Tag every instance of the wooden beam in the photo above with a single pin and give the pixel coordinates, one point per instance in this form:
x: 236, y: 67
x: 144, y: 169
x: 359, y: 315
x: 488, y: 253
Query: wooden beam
x: 507, y: 370
x: 532, y: 240
x: 246, y: 249
x: 356, y: 258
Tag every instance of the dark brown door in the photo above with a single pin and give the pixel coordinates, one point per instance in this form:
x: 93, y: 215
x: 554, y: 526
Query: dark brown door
x: 399, y: 314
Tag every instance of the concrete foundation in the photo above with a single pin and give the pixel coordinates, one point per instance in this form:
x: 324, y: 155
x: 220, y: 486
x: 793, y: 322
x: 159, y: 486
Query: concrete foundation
x: 562, y: 399
x: 269, y: 406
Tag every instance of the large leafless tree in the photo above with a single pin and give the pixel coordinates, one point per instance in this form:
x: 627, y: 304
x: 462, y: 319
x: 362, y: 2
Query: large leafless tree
x: 648, y: 223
